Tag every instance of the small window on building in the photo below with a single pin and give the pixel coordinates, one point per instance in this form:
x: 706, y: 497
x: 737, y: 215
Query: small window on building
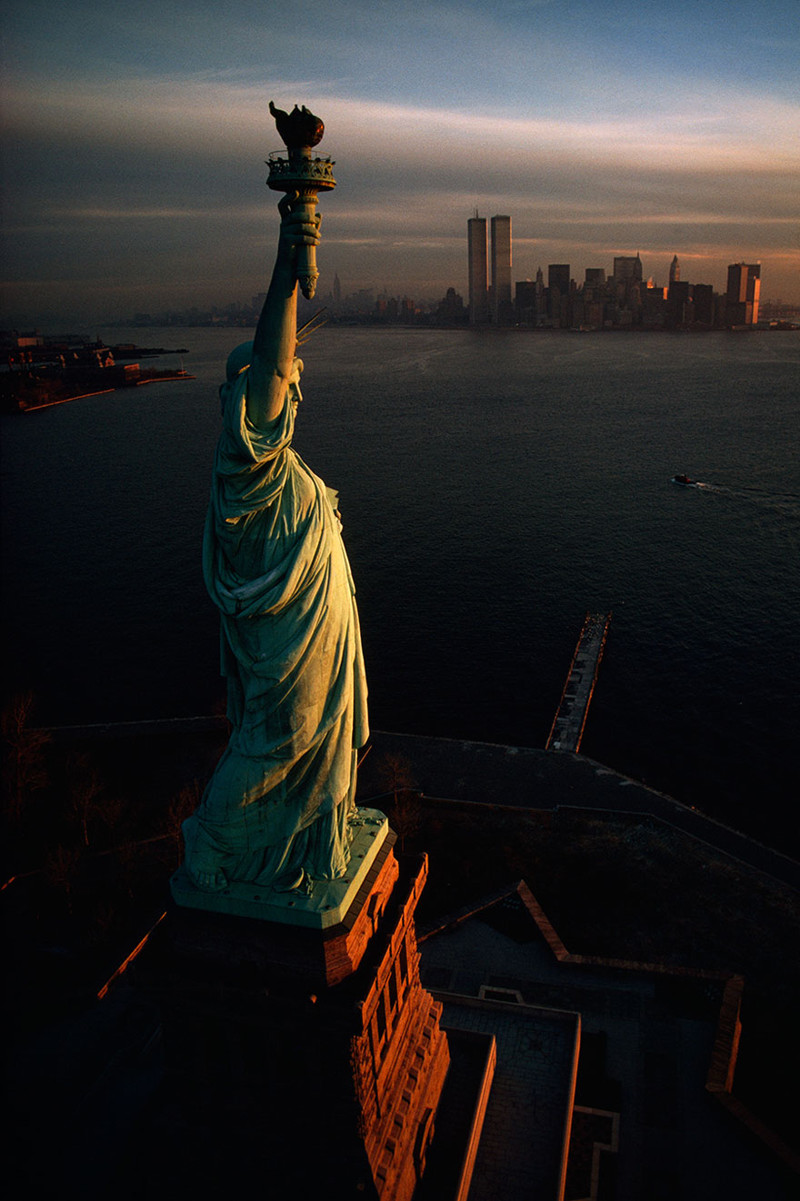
x: 391, y: 985
x: 511, y: 996
x: 380, y: 1018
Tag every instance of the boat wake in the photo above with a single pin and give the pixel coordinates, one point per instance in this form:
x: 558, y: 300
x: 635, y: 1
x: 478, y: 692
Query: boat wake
x: 786, y: 501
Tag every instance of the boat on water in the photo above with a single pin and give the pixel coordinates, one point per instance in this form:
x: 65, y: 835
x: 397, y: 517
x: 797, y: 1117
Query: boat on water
x: 684, y: 480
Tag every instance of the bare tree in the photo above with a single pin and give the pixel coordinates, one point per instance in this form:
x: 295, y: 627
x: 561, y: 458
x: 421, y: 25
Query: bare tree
x: 104, y: 916
x: 396, y: 775
x: 86, y: 788
x: 25, y: 769
x: 180, y: 807
x: 127, y: 858
x: 61, y: 870
x: 111, y: 811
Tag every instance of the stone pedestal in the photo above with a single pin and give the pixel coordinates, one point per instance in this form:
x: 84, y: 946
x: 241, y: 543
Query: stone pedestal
x: 298, y: 1059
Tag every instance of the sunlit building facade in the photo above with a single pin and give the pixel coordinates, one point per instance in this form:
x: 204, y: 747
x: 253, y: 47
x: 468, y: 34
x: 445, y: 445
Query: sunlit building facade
x: 743, y: 293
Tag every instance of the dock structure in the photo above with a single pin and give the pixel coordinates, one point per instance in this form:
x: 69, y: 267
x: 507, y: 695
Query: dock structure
x: 566, y: 731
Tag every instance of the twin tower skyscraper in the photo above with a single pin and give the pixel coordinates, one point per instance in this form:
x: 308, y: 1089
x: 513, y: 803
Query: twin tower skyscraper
x: 489, y: 303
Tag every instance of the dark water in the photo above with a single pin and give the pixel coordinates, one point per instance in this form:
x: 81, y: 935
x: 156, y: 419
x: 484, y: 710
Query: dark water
x: 493, y: 489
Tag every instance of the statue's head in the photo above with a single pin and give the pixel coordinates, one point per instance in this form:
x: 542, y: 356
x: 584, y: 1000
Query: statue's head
x: 238, y: 360
x: 295, y: 395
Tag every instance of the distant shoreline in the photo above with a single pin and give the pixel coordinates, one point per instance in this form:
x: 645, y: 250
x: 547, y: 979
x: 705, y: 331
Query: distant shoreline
x: 49, y: 373
x: 63, y: 400
x: 367, y: 322
x: 121, y: 386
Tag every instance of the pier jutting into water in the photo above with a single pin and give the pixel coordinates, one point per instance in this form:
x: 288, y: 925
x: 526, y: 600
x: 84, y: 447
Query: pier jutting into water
x: 566, y: 731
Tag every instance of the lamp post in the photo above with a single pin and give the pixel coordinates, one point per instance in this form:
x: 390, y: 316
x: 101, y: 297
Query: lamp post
x: 297, y: 171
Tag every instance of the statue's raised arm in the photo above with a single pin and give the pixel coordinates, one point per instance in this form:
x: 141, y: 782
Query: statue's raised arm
x: 300, y: 175
x: 273, y: 358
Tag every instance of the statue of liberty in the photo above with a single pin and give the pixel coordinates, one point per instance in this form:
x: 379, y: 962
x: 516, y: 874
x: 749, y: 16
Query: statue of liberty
x: 278, y: 807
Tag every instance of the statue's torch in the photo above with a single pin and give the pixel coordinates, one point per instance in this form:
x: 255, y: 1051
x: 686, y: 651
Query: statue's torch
x: 298, y: 171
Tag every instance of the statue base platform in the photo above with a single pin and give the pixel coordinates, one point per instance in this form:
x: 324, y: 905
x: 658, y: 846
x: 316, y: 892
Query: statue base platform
x: 302, y: 1061
x: 326, y: 906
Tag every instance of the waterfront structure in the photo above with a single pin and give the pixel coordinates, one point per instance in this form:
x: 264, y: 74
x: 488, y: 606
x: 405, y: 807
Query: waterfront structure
x: 743, y: 292
x: 501, y: 308
x: 568, y: 725
x: 478, y: 270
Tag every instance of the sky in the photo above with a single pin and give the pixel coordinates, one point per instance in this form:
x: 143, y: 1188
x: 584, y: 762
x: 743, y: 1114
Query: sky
x: 133, y: 162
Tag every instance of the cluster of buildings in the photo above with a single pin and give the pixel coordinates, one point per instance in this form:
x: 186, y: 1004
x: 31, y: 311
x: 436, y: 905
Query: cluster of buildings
x: 359, y: 307
x: 619, y: 300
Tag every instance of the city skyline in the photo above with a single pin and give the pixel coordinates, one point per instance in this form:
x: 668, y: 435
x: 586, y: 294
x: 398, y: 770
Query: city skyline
x: 490, y: 276
x: 136, y: 141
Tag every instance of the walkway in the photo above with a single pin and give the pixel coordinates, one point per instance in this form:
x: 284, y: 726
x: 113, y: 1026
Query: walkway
x: 566, y: 731
x: 521, y: 777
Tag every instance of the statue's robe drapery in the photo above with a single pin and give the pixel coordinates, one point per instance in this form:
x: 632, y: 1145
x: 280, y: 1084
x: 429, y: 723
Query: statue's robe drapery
x: 276, y: 567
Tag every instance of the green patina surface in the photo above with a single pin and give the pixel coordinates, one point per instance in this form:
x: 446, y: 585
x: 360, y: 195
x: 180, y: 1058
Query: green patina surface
x: 279, y: 812
x: 325, y: 906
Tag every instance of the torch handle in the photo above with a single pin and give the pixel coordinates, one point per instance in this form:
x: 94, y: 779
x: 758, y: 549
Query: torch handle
x: 307, y: 273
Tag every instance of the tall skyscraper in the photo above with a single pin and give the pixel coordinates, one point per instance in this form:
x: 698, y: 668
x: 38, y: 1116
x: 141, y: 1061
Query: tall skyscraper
x: 628, y: 269
x: 525, y: 302
x: 679, y: 303
x: 674, y: 270
x: 743, y: 293
x: 558, y: 289
x: 502, y: 311
x: 703, y: 299
x: 558, y: 277
x: 478, y: 271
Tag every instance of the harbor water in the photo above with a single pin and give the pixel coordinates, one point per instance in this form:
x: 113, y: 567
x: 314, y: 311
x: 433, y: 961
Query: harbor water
x: 494, y: 487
